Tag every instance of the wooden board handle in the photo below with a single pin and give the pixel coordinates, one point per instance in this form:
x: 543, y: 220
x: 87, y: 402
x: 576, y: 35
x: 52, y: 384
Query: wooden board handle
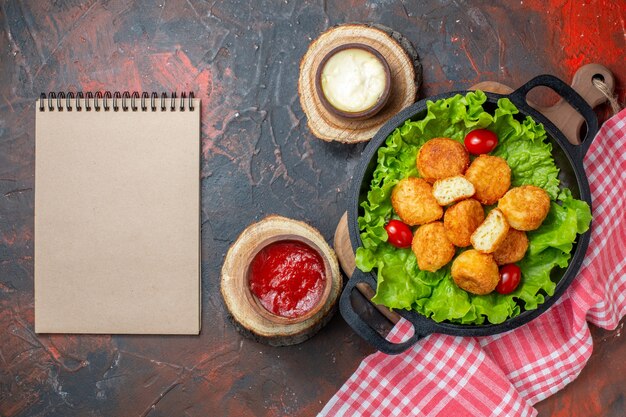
x: 568, y: 120
x: 564, y: 117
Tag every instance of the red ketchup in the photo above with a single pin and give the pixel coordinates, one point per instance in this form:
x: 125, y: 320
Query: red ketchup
x: 288, y: 278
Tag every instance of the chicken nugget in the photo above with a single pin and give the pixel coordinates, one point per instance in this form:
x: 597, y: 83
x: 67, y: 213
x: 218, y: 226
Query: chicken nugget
x: 512, y: 249
x: 442, y: 158
x: 491, y: 177
x: 431, y: 247
x: 525, y: 207
x: 452, y: 189
x: 491, y: 233
x: 412, y: 199
x: 460, y: 221
x: 475, y: 272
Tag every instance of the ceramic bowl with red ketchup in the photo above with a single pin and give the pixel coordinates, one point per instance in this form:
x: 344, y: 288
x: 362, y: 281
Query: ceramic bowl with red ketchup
x: 288, y: 278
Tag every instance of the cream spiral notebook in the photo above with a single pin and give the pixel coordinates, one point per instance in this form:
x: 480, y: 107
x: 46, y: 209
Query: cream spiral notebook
x: 117, y: 213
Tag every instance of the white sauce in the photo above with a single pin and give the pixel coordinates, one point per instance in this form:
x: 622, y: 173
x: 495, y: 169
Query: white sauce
x: 353, y: 80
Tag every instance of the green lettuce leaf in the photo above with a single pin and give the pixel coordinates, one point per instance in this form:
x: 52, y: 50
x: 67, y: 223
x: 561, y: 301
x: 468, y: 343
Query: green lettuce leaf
x: 525, y: 150
x: 523, y: 143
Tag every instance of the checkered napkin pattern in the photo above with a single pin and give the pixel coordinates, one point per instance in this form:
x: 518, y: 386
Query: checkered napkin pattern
x: 505, y: 374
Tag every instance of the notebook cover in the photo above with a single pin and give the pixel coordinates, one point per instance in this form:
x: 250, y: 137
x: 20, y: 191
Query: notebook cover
x: 117, y: 221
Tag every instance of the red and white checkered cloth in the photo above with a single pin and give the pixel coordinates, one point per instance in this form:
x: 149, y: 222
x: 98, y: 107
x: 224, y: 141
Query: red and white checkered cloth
x: 505, y: 374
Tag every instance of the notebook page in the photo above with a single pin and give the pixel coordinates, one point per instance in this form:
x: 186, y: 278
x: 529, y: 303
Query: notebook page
x: 117, y: 236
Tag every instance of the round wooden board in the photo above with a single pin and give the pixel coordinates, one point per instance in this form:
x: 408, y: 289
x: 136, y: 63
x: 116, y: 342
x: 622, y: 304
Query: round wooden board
x: 260, y: 325
x: 405, y: 79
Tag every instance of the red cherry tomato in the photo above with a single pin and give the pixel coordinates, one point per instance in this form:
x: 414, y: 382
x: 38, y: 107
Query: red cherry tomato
x: 480, y: 141
x: 510, y: 276
x: 400, y: 234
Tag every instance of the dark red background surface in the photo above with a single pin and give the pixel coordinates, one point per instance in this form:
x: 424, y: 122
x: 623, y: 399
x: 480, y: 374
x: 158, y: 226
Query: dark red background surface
x: 258, y: 158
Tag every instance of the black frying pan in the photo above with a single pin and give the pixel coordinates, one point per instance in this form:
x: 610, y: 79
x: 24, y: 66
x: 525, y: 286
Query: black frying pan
x: 568, y: 157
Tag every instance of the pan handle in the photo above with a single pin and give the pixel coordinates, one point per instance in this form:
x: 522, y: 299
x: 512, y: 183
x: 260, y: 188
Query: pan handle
x: 365, y: 330
x: 518, y: 97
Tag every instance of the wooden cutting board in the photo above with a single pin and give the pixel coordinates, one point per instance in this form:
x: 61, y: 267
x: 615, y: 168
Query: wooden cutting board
x: 561, y: 114
x: 246, y: 313
x: 406, y: 77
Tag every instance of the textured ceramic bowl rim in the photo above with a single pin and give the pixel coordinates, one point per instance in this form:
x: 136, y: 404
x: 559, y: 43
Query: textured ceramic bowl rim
x: 256, y: 303
x: 364, y: 114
